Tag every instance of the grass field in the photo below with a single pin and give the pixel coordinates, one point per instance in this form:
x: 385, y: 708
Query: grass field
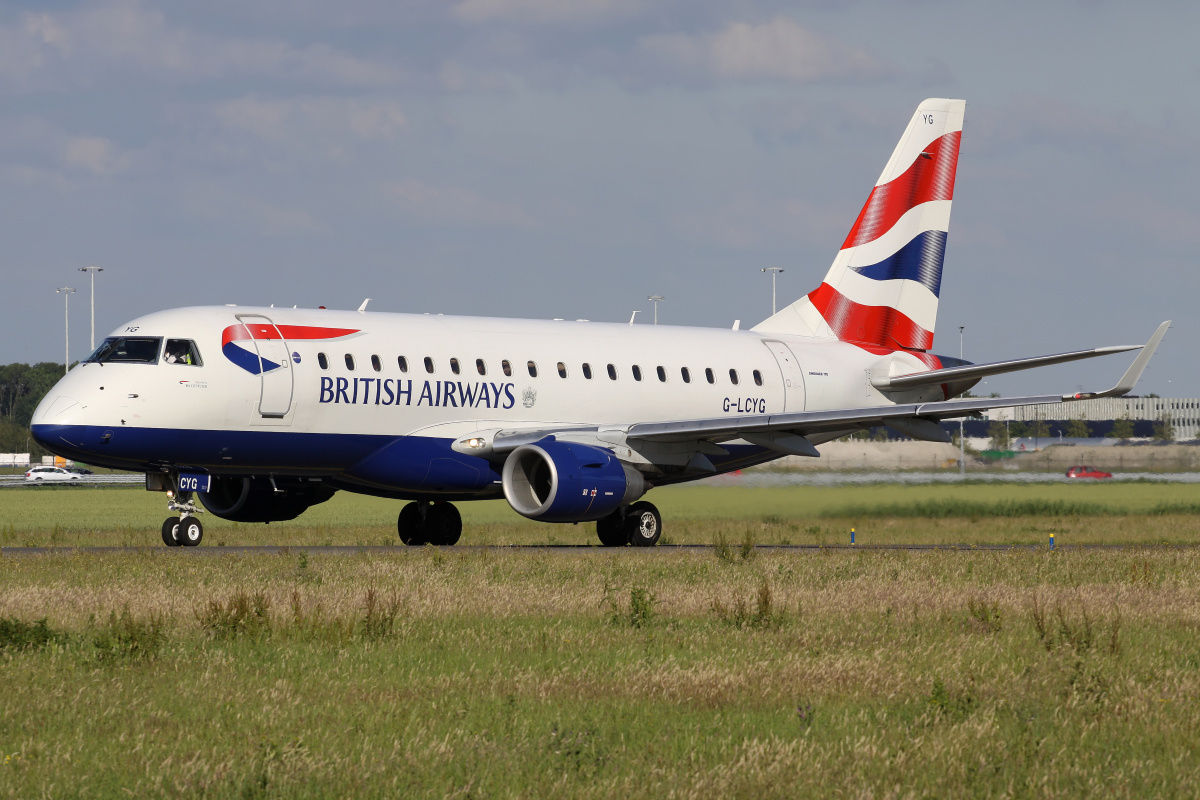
x: 1130, y: 513
x: 727, y: 671
x: 431, y: 673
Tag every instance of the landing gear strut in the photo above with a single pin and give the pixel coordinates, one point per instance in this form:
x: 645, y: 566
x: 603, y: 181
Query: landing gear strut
x: 429, y: 523
x: 184, y: 530
x: 639, y: 525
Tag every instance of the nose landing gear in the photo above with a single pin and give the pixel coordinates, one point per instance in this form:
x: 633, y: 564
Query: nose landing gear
x: 429, y: 523
x: 184, y: 530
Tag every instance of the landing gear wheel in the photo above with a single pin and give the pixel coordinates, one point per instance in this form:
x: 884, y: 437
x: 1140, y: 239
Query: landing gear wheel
x: 443, y: 524
x: 170, y: 532
x: 190, y: 532
x: 643, y: 524
x: 410, y: 525
x: 611, y: 530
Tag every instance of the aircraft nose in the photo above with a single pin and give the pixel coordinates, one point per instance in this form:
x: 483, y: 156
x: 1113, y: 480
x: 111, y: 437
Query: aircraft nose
x: 58, y: 409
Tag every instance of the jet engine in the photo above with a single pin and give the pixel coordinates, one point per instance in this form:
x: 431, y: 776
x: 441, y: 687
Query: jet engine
x: 249, y: 499
x: 554, y: 481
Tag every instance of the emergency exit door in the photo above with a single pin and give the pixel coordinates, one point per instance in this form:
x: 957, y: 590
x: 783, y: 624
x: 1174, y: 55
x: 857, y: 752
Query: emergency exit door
x: 275, y: 372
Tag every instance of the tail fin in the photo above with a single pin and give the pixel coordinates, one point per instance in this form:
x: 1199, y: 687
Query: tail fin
x: 882, y: 289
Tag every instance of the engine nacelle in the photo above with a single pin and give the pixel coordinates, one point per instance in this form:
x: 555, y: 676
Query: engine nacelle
x: 554, y: 481
x: 244, y: 499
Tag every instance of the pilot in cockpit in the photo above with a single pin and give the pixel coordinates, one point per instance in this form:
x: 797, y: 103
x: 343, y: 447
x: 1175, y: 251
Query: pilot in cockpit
x: 181, y: 351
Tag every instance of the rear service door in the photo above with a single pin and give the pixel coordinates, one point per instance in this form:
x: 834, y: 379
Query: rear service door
x: 793, y: 377
x: 274, y: 363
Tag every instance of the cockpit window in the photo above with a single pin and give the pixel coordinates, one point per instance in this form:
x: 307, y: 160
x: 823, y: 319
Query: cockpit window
x: 182, y: 351
x: 127, y: 350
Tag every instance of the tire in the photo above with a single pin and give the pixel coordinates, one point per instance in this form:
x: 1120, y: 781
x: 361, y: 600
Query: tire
x: 443, y: 525
x: 170, y: 529
x: 410, y: 526
x: 643, y: 524
x: 190, y: 532
x: 611, y: 530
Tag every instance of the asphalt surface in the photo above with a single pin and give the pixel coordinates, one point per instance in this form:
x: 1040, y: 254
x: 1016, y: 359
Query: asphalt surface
x: 349, y: 550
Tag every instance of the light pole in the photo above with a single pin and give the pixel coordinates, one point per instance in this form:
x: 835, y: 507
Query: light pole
x: 774, y: 272
x: 656, y: 298
x: 92, y: 273
x: 962, y: 447
x: 66, y: 292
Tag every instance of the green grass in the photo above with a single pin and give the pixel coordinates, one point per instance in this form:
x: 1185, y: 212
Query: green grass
x: 1129, y: 513
x: 434, y: 673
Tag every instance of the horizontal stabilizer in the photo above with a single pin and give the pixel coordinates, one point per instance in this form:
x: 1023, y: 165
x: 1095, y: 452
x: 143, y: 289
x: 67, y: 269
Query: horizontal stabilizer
x: 976, y: 371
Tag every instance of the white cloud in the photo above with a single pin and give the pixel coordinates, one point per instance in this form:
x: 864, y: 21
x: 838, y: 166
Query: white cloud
x: 72, y: 48
x: 777, y: 50
x: 212, y: 201
x: 455, y: 205
x: 276, y: 118
x: 542, y: 11
x: 95, y: 154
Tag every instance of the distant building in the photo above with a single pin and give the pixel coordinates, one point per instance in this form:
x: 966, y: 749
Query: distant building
x: 1183, y: 412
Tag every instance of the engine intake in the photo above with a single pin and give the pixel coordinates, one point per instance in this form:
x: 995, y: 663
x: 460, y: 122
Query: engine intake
x: 554, y: 481
x: 247, y: 499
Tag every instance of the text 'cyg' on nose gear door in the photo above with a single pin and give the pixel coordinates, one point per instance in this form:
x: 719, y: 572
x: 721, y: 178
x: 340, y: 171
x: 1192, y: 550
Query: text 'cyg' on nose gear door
x: 274, y: 363
x: 793, y: 376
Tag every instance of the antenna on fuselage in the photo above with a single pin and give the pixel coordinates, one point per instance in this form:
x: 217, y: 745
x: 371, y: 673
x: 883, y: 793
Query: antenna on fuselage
x: 363, y: 307
x: 634, y: 316
x: 737, y: 324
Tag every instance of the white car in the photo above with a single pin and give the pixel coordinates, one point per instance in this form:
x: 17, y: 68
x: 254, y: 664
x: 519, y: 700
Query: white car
x: 51, y: 474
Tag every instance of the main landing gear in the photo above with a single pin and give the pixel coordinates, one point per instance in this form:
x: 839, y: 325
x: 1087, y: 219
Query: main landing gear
x: 184, y: 530
x: 639, y: 525
x: 429, y: 523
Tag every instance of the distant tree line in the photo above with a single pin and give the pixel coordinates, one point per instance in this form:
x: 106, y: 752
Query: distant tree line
x: 22, y: 387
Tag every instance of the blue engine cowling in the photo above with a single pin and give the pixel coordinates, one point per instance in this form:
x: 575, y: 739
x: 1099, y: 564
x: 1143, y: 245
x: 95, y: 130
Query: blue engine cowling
x: 554, y: 481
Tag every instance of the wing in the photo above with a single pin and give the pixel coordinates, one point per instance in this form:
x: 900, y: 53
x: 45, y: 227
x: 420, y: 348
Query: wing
x: 686, y: 442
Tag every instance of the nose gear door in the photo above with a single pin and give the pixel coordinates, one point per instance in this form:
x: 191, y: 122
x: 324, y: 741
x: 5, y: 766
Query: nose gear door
x: 793, y: 376
x: 274, y: 365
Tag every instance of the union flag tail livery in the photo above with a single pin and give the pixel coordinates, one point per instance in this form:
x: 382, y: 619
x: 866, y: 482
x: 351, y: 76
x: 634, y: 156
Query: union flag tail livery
x: 566, y: 421
x: 882, y: 289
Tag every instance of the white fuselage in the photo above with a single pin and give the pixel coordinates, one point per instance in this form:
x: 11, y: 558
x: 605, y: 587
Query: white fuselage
x: 437, y: 377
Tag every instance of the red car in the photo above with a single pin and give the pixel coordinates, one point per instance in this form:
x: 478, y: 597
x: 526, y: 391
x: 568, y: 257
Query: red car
x: 1087, y: 472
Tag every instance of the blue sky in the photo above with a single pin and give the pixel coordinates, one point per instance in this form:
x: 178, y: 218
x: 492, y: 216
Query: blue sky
x: 546, y: 158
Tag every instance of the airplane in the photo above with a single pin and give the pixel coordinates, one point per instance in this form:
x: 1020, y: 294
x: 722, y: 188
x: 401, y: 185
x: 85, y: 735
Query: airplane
x: 262, y: 413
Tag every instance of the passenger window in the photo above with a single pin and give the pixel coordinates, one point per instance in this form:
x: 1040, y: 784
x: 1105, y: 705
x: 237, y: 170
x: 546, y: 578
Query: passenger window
x: 637, y: 372
x: 349, y: 362
x: 454, y: 365
x: 562, y: 370
x: 687, y: 376
x: 532, y: 369
x: 662, y: 374
x: 428, y: 364
x: 322, y: 361
x: 757, y: 378
x: 480, y: 367
x: 733, y: 378
x: 182, y: 351
x: 612, y: 372
x: 587, y: 371
x: 402, y: 363
x: 506, y: 367
x: 376, y: 364
x: 708, y: 373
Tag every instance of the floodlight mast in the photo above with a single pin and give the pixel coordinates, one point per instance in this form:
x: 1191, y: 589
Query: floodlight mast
x: 774, y: 272
x: 657, y: 298
x: 92, y: 273
x: 66, y: 292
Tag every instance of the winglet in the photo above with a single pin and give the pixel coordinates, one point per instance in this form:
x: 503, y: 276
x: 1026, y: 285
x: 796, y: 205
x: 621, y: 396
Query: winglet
x: 1133, y: 374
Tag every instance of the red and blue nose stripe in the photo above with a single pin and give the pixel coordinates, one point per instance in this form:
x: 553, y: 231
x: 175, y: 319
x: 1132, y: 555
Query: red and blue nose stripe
x: 249, y: 360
